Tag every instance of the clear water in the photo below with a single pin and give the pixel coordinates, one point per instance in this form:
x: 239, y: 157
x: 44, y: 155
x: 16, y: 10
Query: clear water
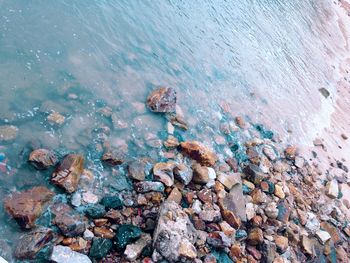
x: 264, y: 59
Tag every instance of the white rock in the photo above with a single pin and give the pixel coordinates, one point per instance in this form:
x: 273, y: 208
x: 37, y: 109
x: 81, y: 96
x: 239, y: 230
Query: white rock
x: 133, y: 251
x: 90, y: 198
x: 312, y: 223
x: 62, y: 254
x: 76, y: 199
x: 170, y: 128
x: 332, y: 189
x: 88, y: 235
x: 250, y: 211
x: 2, y: 260
x: 323, y: 236
x: 197, y: 206
x: 211, y: 173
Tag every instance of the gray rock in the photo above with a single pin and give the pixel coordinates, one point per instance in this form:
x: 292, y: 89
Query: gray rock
x: 133, y: 251
x: 183, y: 173
x: 62, y: 254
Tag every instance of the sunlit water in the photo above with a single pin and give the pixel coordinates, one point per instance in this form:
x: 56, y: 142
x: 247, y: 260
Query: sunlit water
x: 264, y: 59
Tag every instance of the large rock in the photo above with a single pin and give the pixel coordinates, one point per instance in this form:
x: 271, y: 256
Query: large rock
x: 62, y: 254
x: 25, y: 207
x: 68, y: 172
x: 173, y: 233
x: 162, y: 100
x: 198, y: 152
x: 70, y: 222
x: 32, y: 242
x: 42, y: 159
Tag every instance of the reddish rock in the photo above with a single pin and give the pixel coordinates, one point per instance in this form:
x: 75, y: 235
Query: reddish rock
x: 68, y: 172
x: 255, y: 236
x: 205, y: 196
x: 175, y: 196
x: 235, y: 251
x: 254, y: 252
x: 198, y: 152
x: 112, y: 158
x: 162, y: 100
x: 231, y: 218
x: 218, y: 240
x: 42, y: 159
x: 25, y: 207
x: 290, y: 152
x: 281, y: 243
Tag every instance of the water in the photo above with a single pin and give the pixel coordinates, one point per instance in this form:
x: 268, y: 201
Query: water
x: 259, y: 58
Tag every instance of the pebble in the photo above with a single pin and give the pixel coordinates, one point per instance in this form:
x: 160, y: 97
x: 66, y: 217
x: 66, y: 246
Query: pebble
x: 199, y: 153
x: 229, y: 179
x: 90, y: 198
x: 281, y: 243
x: 56, y: 118
x: 134, y: 250
x: 332, y: 189
x: 8, y: 132
x: 183, y: 173
x: 255, y: 236
x: 175, y: 196
x: 323, y: 236
x: 200, y: 174
x: 76, y: 199
x: 88, y: 235
x: 250, y: 211
x: 279, y: 191
x: 312, y: 224
x: 271, y: 210
x: 62, y: 254
x: 163, y: 172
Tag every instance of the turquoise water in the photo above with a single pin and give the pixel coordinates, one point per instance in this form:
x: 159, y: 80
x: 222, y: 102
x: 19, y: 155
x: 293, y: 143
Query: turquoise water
x: 264, y: 59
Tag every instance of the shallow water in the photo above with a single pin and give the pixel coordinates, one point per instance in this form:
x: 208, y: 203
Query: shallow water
x: 259, y: 58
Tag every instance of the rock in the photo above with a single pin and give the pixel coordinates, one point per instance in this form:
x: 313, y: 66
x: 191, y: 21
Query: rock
x: 199, y: 153
x: 324, y: 92
x: 125, y: 235
x: 299, y: 162
x: 25, y: 207
x: 32, y: 242
x: 163, y: 172
x: 8, y: 132
x: 290, y: 152
x: 270, y: 153
x: 323, y: 236
x: 104, y: 232
x: 95, y: 210
x: 218, y: 240
x: 173, y: 228
x: 112, y: 202
x: 144, y: 187
x: 171, y: 142
x: 197, y: 206
x: 279, y: 191
x: 234, y: 201
x: 55, y: 118
x: 62, y: 254
x: 162, y: 100
x: 42, y: 159
x: 229, y: 179
x: 332, y: 189
x: 254, y: 173
x: 333, y: 231
x: 271, y: 210
x: 250, y: 211
x: 187, y: 250
x: 90, y: 198
x: 133, y: 251
x: 2, y: 260
x: 205, y: 196
x: 138, y: 169
x: 88, y: 235
x: 112, y: 158
x: 100, y: 247
x: 255, y: 236
x: 210, y: 215
x: 312, y: 224
x: 76, y: 199
x: 200, y: 174
x: 281, y: 243
x: 267, y: 186
x: 307, y: 245
x: 70, y: 222
x: 284, y: 211
x: 118, y: 123
x: 175, y: 196
x: 68, y: 172
x: 183, y: 173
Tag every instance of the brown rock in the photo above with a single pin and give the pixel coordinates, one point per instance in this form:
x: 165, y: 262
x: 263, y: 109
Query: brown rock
x: 229, y: 179
x: 171, y: 142
x: 235, y: 251
x: 112, y: 158
x: 307, y: 246
x: 205, y: 196
x: 281, y: 243
x: 137, y: 169
x: 175, y: 196
x: 42, y: 159
x: 198, y: 152
x: 231, y: 218
x: 255, y: 237
x: 100, y: 221
x: 290, y: 152
x: 333, y: 231
x: 187, y: 250
x: 200, y: 174
x: 104, y: 232
x: 162, y: 100
x: 163, y: 172
x: 257, y: 221
x: 68, y: 172
x: 25, y: 207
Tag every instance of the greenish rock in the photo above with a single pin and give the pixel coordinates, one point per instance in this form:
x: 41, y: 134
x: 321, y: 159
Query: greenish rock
x: 125, y: 235
x: 95, y: 211
x: 221, y: 256
x: 246, y: 190
x: 241, y: 234
x: 266, y: 134
x: 100, y: 247
x: 112, y: 202
x: 119, y: 183
x: 271, y: 185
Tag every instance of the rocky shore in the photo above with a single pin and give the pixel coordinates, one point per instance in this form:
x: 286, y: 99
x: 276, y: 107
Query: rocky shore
x: 251, y: 199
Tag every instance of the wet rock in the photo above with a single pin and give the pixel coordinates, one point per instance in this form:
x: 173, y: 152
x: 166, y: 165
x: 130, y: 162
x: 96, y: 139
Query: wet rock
x: 112, y: 158
x: 95, y: 210
x: 8, y: 132
x: 183, y: 173
x: 125, y: 235
x: 25, y: 207
x: 323, y: 236
x: 200, y: 174
x: 138, y: 169
x: 42, y: 159
x: 56, y: 118
x: 62, y: 254
x: 271, y: 210
x: 163, y: 172
x: 162, y: 100
x: 100, y: 247
x: 171, y: 142
x: 255, y: 236
x: 133, y: 251
x: 145, y: 187
x: 68, y: 172
x: 112, y: 202
x: 199, y: 153
x: 70, y: 222
x: 118, y: 123
x: 229, y: 179
x: 32, y: 242
x: 218, y: 240
x: 332, y: 189
x: 267, y: 186
x: 173, y: 228
x: 284, y: 211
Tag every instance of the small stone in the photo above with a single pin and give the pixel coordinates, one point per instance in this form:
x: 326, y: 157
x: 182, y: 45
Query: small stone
x: 144, y: 187
x: 332, y: 189
x: 254, y: 173
x: 205, y: 196
x: 344, y: 136
x: 112, y: 202
x: 76, y: 199
x: 88, y: 235
x: 68, y: 172
x: 138, y: 169
x: 333, y: 231
x: 197, y: 206
x: 281, y: 243
x: 8, y: 132
x: 162, y: 100
x: 270, y: 153
x: 62, y: 254
x: 279, y: 191
x: 218, y: 240
x: 290, y: 152
x: 32, y: 242
x: 227, y: 229
x: 25, y: 207
x: 126, y: 234
x: 100, y: 222
x: 235, y: 251
x: 163, y: 172
x: 323, y: 236
x: 255, y: 237
x: 90, y: 198
x: 250, y: 211
x: 42, y: 159
x: 200, y: 174
x: 284, y: 211
x: 312, y: 224
x: 112, y: 158
x: 271, y: 210
x: 307, y: 245
x: 199, y: 153
x: 133, y: 251
x: 240, y: 122
x: 56, y: 118
x: 267, y: 187
x: 118, y: 123
x: 183, y: 173
x: 299, y: 162
x: 171, y: 142
x: 187, y: 250
x: 254, y: 252
x: 104, y: 232
x: 229, y: 179
x: 95, y: 210
x: 210, y: 215
x: 175, y: 196
x: 100, y: 247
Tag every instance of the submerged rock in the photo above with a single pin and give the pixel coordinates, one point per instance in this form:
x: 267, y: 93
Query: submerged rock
x: 125, y: 235
x: 112, y: 158
x: 198, y: 152
x: 133, y: 251
x: 174, y: 230
x: 70, y: 222
x: 8, y: 132
x: 25, y: 207
x: 42, y: 159
x: 56, y: 118
x: 68, y: 172
x: 139, y: 169
x: 32, y: 242
x: 162, y: 100
x: 62, y: 254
